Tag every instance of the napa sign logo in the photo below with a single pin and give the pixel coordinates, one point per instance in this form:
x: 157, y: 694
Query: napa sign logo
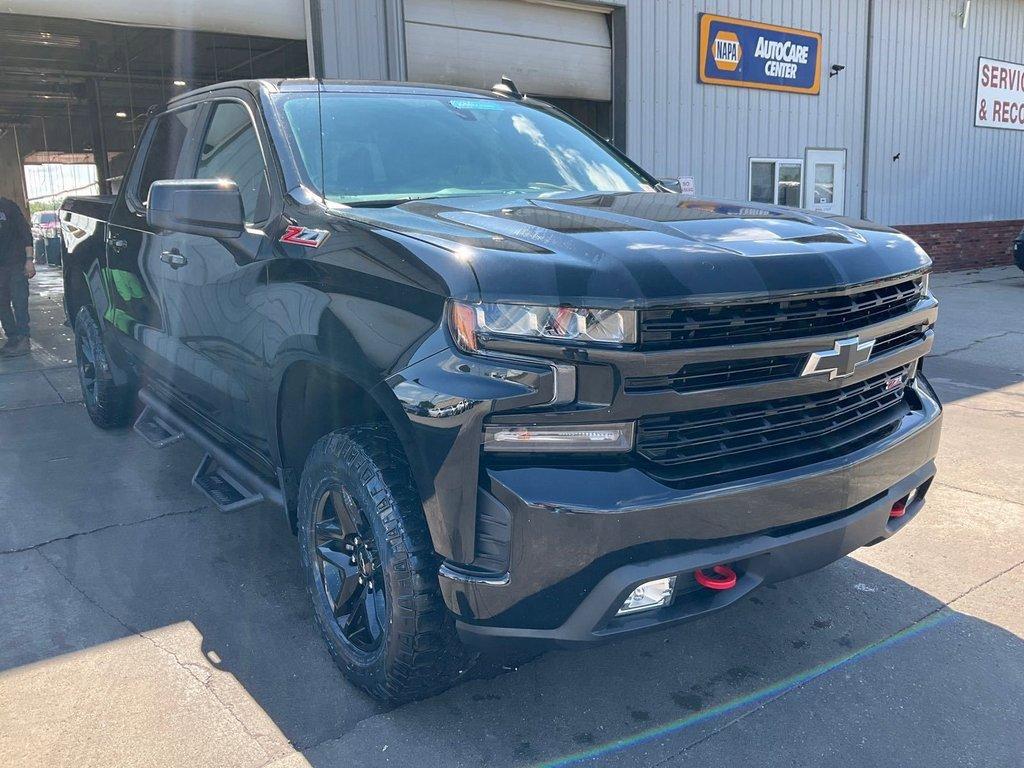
x: 749, y: 54
x: 726, y: 51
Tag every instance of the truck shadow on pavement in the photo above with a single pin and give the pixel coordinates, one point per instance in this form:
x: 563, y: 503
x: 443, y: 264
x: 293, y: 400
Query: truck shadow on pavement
x: 855, y: 655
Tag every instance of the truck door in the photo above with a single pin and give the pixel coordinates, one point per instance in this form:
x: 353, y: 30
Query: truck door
x: 134, y: 275
x: 213, y: 286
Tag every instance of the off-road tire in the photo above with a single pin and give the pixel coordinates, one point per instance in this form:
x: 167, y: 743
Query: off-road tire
x: 109, y: 405
x: 420, y: 654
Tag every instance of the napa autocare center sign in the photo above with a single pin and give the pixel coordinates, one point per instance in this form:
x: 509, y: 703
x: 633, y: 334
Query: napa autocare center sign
x: 749, y: 54
x: 1000, y: 99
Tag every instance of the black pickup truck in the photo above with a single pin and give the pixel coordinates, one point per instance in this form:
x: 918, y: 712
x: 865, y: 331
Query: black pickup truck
x: 507, y: 387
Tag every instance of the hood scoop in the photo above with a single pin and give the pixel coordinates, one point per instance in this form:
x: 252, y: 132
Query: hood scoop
x: 822, y: 237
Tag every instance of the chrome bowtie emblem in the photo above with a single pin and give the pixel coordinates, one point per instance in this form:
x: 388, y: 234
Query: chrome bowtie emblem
x: 840, y: 361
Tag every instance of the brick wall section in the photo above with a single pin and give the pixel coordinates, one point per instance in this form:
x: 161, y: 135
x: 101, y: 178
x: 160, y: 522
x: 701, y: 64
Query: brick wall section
x: 970, y: 245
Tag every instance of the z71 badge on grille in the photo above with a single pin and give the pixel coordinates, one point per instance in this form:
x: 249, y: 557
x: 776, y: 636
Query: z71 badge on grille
x: 840, y: 361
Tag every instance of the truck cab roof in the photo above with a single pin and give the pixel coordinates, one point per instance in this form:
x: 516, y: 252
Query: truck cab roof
x: 284, y: 85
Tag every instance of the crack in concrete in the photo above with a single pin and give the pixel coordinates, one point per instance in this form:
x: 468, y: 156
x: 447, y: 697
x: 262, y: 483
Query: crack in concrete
x: 190, y: 667
x: 974, y: 343
x: 62, y: 404
x: 76, y: 534
x: 974, y: 492
x: 993, y: 411
x: 951, y: 286
x: 993, y: 390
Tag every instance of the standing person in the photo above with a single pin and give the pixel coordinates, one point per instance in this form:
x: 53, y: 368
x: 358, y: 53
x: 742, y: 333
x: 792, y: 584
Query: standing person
x: 17, y: 267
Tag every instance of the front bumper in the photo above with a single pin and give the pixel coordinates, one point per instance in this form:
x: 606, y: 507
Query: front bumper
x: 583, y: 539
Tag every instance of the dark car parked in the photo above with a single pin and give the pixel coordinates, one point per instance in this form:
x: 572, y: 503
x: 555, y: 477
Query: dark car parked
x: 1018, y: 250
x: 508, y: 389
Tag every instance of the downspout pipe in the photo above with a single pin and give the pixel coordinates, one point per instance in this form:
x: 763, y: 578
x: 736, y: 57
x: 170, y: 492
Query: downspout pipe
x: 315, y: 39
x: 866, y: 139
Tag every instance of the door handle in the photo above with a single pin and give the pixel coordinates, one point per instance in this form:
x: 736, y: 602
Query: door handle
x: 175, y: 258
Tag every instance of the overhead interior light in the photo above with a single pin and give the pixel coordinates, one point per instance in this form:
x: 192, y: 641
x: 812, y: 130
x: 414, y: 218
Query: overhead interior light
x: 180, y: 83
x: 121, y: 115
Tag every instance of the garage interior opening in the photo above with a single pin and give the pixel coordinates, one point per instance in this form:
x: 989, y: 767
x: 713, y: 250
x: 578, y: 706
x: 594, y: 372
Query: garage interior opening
x: 75, y: 91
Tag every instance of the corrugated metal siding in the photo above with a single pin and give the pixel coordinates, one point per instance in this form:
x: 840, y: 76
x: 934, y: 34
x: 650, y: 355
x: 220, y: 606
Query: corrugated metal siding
x: 925, y: 70
x: 355, y: 39
x: 679, y: 127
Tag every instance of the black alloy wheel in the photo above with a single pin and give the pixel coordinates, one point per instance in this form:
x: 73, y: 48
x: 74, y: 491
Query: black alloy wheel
x: 86, y: 356
x: 108, y: 403
x: 371, y: 569
x: 350, y: 571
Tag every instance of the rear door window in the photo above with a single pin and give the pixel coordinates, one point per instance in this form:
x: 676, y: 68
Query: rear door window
x: 167, y: 134
x: 230, y: 150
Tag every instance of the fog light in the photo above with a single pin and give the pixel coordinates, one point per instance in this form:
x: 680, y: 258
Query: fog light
x: 651, y: 594
x: 605, y: 438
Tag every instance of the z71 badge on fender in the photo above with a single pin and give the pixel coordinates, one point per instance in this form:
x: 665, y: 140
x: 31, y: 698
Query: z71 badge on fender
x: 311, y: 238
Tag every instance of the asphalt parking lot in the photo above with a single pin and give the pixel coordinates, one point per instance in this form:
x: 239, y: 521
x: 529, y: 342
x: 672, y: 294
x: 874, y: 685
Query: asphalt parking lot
x: 139, y: 626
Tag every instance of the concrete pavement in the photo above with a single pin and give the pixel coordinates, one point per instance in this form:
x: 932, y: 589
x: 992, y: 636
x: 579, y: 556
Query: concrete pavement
x: 138, y: 626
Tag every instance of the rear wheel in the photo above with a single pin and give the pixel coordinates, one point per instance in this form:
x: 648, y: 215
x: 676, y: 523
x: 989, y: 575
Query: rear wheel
x: 371, y: 570
x: 109, y: 405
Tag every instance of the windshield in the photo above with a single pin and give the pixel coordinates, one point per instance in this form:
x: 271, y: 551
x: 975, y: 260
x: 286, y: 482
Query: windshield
x: 398, y: 147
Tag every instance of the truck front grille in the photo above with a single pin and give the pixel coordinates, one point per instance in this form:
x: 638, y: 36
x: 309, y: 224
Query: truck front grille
x: 719, y: 444
x: 717, y: 374
x: 714, y: 325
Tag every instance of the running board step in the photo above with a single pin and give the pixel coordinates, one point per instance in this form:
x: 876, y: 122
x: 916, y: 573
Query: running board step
x: 155, y: 431
x: 223, y: 488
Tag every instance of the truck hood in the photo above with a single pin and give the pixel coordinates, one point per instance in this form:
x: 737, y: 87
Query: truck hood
x: 639, y: 249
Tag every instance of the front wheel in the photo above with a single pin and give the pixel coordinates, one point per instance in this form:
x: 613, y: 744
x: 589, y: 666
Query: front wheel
x: 371, y: 570
x: 109, y: 405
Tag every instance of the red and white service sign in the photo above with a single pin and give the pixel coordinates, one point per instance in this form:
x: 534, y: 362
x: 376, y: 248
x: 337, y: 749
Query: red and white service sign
x: 1000, y: 99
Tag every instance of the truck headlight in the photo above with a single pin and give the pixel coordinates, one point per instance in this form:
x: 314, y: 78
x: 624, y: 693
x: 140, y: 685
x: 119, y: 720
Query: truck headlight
x: 529, y: 321
x: 582, y: 438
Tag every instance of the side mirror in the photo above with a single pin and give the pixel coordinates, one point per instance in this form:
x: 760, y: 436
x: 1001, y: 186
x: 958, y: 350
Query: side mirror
x: 206, y: 207
x: 672, y: 185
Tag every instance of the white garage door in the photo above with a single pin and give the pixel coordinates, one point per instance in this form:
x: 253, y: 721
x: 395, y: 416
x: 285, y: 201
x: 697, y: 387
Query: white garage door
x: 549, y: 50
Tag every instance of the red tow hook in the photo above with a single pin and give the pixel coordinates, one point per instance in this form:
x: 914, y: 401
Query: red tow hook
x: 899, y: 509
x: 724, y: 578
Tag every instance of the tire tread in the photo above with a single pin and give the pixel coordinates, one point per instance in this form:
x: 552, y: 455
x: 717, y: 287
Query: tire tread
x: 423, y: 655
x: 113, y: 406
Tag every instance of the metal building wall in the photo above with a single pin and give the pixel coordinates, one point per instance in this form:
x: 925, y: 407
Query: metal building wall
x: 679, y: 127
x: 922, y: 107
x: 357, y: 39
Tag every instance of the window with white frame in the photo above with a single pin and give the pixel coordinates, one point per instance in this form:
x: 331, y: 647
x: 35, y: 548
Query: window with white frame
x: 778, y: 181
